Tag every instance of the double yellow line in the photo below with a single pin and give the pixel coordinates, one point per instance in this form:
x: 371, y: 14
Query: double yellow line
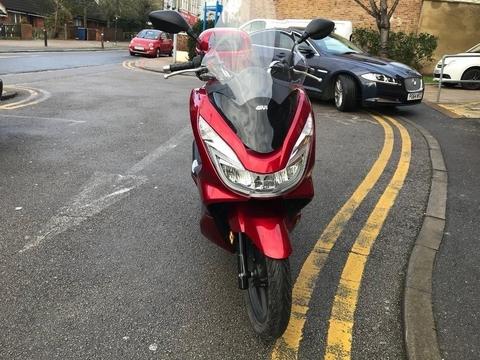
x: 35, y: 96
x: 129, y: 65
x: 339, y: 338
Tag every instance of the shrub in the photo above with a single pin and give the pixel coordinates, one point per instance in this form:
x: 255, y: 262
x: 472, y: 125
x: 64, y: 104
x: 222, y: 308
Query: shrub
x: 197, y: 28
x: 412, y: 49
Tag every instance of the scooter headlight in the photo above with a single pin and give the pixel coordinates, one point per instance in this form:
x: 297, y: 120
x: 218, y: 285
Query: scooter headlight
x: 235, y: 176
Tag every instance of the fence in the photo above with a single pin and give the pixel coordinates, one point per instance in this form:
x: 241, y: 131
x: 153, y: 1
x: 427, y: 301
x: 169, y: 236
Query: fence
x: 10, y: 31
x: 441, y: 80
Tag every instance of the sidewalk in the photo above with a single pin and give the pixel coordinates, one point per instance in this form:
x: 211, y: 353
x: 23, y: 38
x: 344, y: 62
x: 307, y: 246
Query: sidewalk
x: 455, y: 103
x: 9, y: 46
x: 157, y: 64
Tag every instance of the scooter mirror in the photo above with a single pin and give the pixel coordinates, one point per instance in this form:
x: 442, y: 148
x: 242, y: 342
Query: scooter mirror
x: 317, y: 29
x: 170, y: 21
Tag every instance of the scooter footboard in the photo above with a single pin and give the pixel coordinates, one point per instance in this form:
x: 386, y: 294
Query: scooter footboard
x: 265, y: 226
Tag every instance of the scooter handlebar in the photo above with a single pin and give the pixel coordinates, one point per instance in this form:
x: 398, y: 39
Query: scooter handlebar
x: 195, y: 63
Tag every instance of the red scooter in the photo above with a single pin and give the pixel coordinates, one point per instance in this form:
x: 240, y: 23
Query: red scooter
x: 253, y: 155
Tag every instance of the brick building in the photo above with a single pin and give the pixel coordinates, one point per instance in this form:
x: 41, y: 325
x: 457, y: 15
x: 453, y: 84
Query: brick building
x: 406, y: 17
x: 24, y: 12
x: 455, y: 23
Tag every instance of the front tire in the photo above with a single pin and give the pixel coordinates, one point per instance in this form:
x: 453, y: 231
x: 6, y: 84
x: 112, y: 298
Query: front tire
x: 471, y: 74
x: 269, y: 296
x: 345, y: 90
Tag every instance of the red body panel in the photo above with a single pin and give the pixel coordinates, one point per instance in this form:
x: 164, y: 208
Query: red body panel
x: 265, y: 221
x: 265, y: 225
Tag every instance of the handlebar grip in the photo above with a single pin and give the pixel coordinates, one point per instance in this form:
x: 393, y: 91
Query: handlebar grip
x: 182, y: 66
x: 195, y: 63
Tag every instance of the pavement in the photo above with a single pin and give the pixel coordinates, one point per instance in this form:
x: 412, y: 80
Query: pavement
x: 157, y: 64
x: 100, y: 252
x: 9, y: 46
x: 456, y: 102
x: 455, y: 278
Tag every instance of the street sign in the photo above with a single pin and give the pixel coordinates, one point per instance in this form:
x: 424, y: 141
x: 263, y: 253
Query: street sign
x: 217, y: 9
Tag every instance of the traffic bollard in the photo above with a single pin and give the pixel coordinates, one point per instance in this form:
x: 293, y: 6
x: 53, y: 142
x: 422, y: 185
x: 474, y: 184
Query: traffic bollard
x: 101, y: 37
x: 45, y: 37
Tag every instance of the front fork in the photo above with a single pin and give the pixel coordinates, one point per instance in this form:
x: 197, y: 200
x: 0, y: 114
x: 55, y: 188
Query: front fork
x: 243, y: 273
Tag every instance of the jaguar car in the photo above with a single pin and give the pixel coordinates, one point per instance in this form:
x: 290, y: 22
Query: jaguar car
x: 348, y: 75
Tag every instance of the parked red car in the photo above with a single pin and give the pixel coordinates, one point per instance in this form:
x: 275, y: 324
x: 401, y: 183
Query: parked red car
x: 152, y: 43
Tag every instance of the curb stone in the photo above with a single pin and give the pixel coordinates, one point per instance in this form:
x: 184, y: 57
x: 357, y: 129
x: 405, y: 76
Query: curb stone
x: 7, y: 95
x: 419, y: 323
x: 442, y: 110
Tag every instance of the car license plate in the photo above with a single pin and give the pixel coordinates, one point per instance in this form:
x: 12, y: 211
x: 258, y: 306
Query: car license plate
x: 415, y: 96
x: 141, y: 48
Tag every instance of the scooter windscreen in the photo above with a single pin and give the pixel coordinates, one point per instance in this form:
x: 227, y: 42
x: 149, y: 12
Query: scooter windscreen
x: 255, y: 99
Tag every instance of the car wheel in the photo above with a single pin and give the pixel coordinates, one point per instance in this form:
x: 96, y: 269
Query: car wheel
x: 171, y: 53
x: 471, y: 74
x: 132, y: 53
x: 345, y: 93
x: 158, y: 53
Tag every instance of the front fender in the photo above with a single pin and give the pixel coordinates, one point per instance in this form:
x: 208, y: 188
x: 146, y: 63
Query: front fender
x: 265, y: 225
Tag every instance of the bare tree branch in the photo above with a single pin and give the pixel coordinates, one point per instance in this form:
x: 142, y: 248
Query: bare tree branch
x: 359, y: 2
x: 392, y: 9
x: 374, y: 7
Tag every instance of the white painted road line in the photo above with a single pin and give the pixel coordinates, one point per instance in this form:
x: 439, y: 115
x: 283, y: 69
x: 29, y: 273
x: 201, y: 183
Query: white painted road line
x: 100, y: 192
x: 159, y: 152
x: 95, y: 196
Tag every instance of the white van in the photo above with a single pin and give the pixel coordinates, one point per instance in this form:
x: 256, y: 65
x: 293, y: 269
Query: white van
x: 342, y: 28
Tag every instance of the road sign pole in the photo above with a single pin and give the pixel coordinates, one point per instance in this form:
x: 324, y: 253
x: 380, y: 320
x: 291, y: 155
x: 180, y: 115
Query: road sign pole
x: 205, y: 16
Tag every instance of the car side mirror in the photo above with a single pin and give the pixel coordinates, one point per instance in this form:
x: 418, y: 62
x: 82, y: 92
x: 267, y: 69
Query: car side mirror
x: 171, y: 22
x: 317, y: 29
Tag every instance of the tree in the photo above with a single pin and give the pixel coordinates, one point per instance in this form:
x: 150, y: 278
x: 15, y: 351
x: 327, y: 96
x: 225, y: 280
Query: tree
x: 382, y: 16
x: 61, y: 15
x: 131, y: 11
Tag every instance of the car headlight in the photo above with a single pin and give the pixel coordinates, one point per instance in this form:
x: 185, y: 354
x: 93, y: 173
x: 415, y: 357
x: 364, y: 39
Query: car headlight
x: 236, y: 177
x: 448, y: 61
x: 150, y: 45
x: 382, y: 78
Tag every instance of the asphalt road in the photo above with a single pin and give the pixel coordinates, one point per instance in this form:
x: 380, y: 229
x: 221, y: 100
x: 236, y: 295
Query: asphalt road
x: 100, y: 251
x: 28, y: 62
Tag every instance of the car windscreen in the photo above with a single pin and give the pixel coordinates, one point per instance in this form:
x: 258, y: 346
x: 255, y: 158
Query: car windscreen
x: 337, y: 45
x: 475, y: 49
x: 148, y: 34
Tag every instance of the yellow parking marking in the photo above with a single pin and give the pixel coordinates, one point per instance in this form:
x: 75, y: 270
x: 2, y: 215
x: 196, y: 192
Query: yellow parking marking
x: 35, y: 96
x: 339, y: 337
x: 32, y: 94
x: 129, y: 65
x: 287, y: 346
x: 465, y: 110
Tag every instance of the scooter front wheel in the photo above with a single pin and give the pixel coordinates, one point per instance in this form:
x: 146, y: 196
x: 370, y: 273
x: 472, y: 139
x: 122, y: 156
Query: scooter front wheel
x: 269, y: 294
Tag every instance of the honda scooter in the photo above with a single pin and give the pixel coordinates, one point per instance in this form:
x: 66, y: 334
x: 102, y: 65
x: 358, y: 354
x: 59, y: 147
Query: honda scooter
x: 253, y: 155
